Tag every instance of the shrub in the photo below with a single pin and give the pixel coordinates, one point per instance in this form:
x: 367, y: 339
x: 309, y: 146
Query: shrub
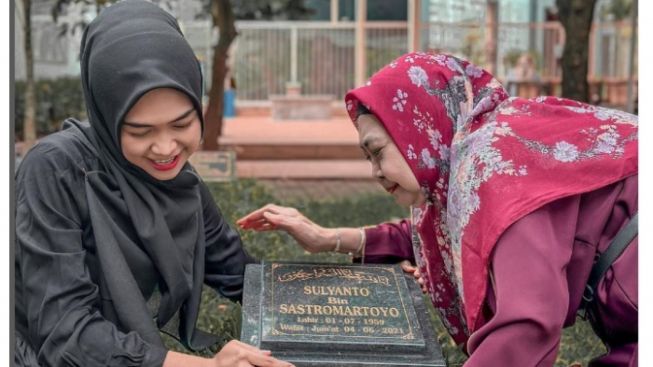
x: 56, y: 100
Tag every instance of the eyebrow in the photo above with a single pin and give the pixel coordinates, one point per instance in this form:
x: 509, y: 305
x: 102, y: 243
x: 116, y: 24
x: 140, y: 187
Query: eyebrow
x: 180, y: 117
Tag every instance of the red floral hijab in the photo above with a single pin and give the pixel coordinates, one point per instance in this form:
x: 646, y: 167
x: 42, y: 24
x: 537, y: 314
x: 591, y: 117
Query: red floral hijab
x: 485, y: 160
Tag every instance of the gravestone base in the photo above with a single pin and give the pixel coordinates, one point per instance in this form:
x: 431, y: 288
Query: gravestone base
x: 336, y: 315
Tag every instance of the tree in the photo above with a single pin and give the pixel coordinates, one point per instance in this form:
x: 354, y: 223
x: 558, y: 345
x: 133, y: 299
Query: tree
x: 618, y: 9
x: 29, y: 123
x: 223, y: 18
x: 492, y: 32
x: 576, y: 18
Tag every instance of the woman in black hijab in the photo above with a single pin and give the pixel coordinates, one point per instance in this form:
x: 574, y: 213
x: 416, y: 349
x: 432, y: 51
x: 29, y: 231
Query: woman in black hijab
x: 116, y: 233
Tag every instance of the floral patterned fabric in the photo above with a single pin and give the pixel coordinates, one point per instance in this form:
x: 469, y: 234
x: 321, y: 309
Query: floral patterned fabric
x: 484, y: 161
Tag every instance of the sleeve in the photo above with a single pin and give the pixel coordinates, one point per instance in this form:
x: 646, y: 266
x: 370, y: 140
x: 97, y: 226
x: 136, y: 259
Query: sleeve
x: 529, y: 295
x: 225, y: 256
x: 59, y: 300
x: 389, y: 242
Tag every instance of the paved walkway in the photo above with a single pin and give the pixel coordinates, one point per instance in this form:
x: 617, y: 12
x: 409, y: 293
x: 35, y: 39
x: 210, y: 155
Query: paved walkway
x: 284, y: 135
x: 263, y: 129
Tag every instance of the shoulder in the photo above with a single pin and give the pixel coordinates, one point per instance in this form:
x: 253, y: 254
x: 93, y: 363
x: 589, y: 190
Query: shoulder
x: 62, y: 155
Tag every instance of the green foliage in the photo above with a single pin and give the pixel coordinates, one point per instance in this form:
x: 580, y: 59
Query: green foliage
x: 57, y: 99
x: 222, y: 317
x: 271, y: 10
x: 617, y: 9
x: 472, y: 47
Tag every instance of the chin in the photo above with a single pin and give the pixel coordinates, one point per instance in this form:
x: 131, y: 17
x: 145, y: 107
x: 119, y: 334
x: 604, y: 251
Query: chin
x: 164, y: 176
x: 402, y: 201
x: 408, y: 199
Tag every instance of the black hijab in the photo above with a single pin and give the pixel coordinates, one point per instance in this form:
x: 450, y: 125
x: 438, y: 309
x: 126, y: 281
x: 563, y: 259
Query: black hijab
x: 148, y: 232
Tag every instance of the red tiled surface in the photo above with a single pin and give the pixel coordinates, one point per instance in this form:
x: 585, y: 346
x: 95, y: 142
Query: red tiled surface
x: 258, y: 130
x: 263, y: 129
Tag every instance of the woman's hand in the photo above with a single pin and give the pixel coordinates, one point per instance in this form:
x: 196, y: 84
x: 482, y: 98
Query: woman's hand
x: 239, y: 354
x: 410, y: 269
x: 233, y: 354
x: 310, y: 236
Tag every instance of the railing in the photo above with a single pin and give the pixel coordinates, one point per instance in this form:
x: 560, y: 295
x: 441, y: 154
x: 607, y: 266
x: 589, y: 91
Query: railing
x: 321, y: 56
x: 318, y: 55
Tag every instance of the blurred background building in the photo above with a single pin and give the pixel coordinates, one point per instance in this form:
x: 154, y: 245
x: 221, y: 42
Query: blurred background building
x: 316, y: 46
x: 295, y: 60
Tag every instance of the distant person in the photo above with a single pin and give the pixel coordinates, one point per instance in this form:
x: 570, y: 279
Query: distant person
x: 512, y: 201
x: 115, y: 232
x: 525, y: 69
x: 523, y: 79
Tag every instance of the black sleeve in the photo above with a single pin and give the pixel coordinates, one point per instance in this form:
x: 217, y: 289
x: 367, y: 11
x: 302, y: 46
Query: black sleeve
x: 225, y: 256
x: 58, y: 297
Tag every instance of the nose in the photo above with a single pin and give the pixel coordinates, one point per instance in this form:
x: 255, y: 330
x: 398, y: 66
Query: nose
x: 164, y: 146
x: 376, y: 170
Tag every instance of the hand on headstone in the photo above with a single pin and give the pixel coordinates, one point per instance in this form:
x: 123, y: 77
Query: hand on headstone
x: 409, y: 268
x: 236, y: 353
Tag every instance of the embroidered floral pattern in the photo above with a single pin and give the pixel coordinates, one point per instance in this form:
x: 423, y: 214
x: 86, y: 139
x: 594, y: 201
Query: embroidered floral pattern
x: 418, y: 76
x: 410, y: 153
x: 399, y: 101
x: 605, y: 140
x: 565, y: 152
x: 421, y: 120
x: 473, y: 72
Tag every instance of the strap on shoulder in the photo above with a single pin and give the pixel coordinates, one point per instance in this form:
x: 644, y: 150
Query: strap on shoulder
x: 605, y: 260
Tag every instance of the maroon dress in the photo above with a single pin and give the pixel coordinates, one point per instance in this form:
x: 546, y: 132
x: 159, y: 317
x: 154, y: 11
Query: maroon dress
x: 539, y: 269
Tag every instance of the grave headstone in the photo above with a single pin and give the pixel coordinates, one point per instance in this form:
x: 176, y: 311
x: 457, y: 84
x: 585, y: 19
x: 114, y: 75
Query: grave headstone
x: 338, y: 315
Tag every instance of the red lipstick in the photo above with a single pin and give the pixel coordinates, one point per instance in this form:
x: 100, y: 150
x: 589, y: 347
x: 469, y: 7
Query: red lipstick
x: 166, y: 166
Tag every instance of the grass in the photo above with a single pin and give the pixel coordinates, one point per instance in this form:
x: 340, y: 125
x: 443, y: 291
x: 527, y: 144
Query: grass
x: 235, y: 199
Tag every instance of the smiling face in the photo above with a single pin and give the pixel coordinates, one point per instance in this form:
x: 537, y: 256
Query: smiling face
x: 389, y: 167
x: 160, y: 132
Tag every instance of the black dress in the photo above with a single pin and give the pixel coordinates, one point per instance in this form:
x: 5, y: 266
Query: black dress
x: 62, y: 315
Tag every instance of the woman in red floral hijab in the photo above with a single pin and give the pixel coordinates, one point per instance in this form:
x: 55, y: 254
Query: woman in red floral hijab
x: 511, y: 200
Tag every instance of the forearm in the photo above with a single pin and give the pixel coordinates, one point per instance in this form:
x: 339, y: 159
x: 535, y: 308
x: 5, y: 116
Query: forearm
x: 176, y: 359
x: 352, y: 240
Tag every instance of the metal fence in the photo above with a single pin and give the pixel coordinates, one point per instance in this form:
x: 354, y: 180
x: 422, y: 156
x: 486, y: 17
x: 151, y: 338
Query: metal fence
x: 321, y: 56
x: 318, y: 55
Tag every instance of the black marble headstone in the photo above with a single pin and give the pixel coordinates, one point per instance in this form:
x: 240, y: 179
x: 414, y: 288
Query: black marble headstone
x: 338, y: 315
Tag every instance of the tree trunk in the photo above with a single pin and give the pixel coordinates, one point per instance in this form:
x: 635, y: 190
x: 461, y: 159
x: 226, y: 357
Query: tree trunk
x: 29, y: 124
x: 576, y: 17
x: 223, y: 18
x: 491, y: 35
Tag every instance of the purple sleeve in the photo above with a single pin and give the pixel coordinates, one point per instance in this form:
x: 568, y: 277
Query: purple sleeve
x: 389, y: 242
x: 529, y: 294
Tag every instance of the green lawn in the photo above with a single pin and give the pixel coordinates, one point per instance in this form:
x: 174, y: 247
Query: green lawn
x: 579, y: 344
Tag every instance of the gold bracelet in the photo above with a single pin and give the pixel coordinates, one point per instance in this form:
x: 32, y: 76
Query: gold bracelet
x: 361, y: 245
x: 338, y: 241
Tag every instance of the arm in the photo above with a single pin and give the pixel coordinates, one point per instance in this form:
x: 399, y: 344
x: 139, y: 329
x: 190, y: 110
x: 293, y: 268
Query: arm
x: 387, y: 242
x: 61, y: 301
x: 529, y: 295
x: 225, y: 256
